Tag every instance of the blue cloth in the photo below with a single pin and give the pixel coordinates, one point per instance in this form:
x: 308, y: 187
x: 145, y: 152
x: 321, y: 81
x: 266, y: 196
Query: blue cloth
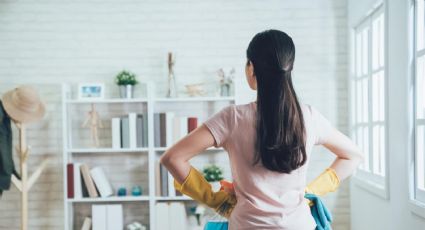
x: 320, y: 213
x: 217, y: 225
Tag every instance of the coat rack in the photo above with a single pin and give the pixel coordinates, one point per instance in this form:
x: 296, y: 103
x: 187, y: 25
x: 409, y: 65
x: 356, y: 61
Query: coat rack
x: 25, y: 183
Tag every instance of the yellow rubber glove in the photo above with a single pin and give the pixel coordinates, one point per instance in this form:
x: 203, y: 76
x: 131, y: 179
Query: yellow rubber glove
x: 327, y: 182
x: 200, y: 190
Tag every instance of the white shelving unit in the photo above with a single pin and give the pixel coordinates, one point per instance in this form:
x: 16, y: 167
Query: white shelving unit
x: 204, y: 106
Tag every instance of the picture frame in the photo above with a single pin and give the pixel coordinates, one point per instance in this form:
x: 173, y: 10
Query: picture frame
x: 91, y: 91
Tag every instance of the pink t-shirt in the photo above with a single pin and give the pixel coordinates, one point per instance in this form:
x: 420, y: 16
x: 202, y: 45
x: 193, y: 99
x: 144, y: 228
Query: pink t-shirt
x: 266, y: 199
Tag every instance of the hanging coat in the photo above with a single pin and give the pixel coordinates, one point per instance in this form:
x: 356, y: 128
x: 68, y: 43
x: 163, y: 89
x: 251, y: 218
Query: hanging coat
x: 7, y: 166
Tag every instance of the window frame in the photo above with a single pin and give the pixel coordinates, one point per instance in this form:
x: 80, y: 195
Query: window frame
x: 368, y: 180
x: 418, y: 194
x: 416, y: 206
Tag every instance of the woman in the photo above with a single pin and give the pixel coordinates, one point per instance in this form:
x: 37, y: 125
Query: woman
x: 269, y: 143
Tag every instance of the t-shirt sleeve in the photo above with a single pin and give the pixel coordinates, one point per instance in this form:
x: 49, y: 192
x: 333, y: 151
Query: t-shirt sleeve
x: 323, y: 128
x: 221, y: 125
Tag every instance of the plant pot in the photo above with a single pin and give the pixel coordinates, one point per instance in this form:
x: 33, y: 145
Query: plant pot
x: 215, y: 186
x: 126, y: 91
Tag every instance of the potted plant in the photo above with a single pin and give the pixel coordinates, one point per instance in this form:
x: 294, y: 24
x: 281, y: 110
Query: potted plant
x: 214, y: 175
x: 126, y: 81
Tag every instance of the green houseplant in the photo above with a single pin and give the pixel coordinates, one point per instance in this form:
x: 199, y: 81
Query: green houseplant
x: 126, y: 82
x: 214, y: 175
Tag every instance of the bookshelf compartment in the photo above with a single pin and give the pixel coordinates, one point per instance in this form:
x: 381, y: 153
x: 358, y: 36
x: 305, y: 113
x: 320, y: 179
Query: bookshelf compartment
x: 80, y: 137
x: 183, y: 210
x: 132, y: 211
x: 122, y: 170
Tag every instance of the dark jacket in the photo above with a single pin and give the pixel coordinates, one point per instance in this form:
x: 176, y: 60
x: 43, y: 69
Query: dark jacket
x: 6, y: 159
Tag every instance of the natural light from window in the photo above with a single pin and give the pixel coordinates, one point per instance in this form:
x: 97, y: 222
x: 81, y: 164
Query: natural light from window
x: 420, y: 102
x: 369, y: 115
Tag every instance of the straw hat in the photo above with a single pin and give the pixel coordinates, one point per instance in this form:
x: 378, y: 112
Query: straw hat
x: 23, y: 104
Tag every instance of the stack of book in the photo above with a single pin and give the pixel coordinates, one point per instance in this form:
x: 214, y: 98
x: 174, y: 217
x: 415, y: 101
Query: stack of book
x: 169, y: 128
x: 107, y: 217
x: 83, y: 182
x: 170, y: 216
x: 130, y: 131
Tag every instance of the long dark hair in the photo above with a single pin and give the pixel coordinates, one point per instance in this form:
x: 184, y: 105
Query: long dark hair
x: 280, y: 143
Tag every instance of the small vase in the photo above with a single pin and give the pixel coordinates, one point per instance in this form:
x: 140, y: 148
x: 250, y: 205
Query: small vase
x: 126, y: 91
x: 225, y: 90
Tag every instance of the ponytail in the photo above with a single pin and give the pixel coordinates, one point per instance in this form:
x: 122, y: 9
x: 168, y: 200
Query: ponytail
x: 280, y: 142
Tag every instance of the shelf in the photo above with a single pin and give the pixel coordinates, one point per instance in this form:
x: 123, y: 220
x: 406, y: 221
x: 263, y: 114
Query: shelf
x: 211, y: 149
x: 111, y: 100
x: 194, y: 99
x: 108, y: 150
x: 110, y: 199
x: 176, y: 198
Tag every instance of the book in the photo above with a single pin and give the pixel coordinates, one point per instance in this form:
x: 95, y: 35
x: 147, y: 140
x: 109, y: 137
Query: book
x: 125, y: 139
x: 171, y: 189
x: 78, y: 189
x: 101, y: 182
x: 86, y: 224
x: 157, y: 129
x: 176, y: 129
x: 132, y: 128
x: 145, y: 130
x: 139, y: 130
x: 162, y: 216
x: 70, y: 180
x: 99, y: 216
x: 116, y: 132
x: 114, y: 218
x: 183, y: 127
x: 88, y: 181
x: 158, y: 179
x: 162, y: 129
x: 83, y: 186
x: 177, y: 216
x: 164, y: 181
x: 192, y: 124
x: 169, y: 117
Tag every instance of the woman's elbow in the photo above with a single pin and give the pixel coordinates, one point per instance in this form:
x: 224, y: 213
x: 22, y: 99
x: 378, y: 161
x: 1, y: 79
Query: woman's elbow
x: 165, y: 160
x: 168, y: 159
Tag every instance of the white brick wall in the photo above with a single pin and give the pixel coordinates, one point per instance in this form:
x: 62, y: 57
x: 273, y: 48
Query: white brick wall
x: 53, y: 41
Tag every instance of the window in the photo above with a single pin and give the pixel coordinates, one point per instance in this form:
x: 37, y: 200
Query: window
x: 419, y: 103
x: 368, y: 96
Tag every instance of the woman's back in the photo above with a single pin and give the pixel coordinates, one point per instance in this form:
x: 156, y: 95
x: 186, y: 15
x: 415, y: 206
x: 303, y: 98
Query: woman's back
x: 266, y: 199
x: 269, y: 142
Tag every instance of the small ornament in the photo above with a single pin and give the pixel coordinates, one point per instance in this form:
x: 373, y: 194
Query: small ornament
x: 195, y: 89
x: 122, y: 191
x: 226, y: 82
x: 172, y: 87
x: 94, y: 122
x: 136, y: 191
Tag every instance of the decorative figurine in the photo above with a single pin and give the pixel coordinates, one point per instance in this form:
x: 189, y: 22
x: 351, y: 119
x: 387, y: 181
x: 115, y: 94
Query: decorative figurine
x: 136, y: 191
x: 94, y: 122
x: 195, y: 89
x: 226, y: 82
x: 172, y: 87
x: 122, y: 191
